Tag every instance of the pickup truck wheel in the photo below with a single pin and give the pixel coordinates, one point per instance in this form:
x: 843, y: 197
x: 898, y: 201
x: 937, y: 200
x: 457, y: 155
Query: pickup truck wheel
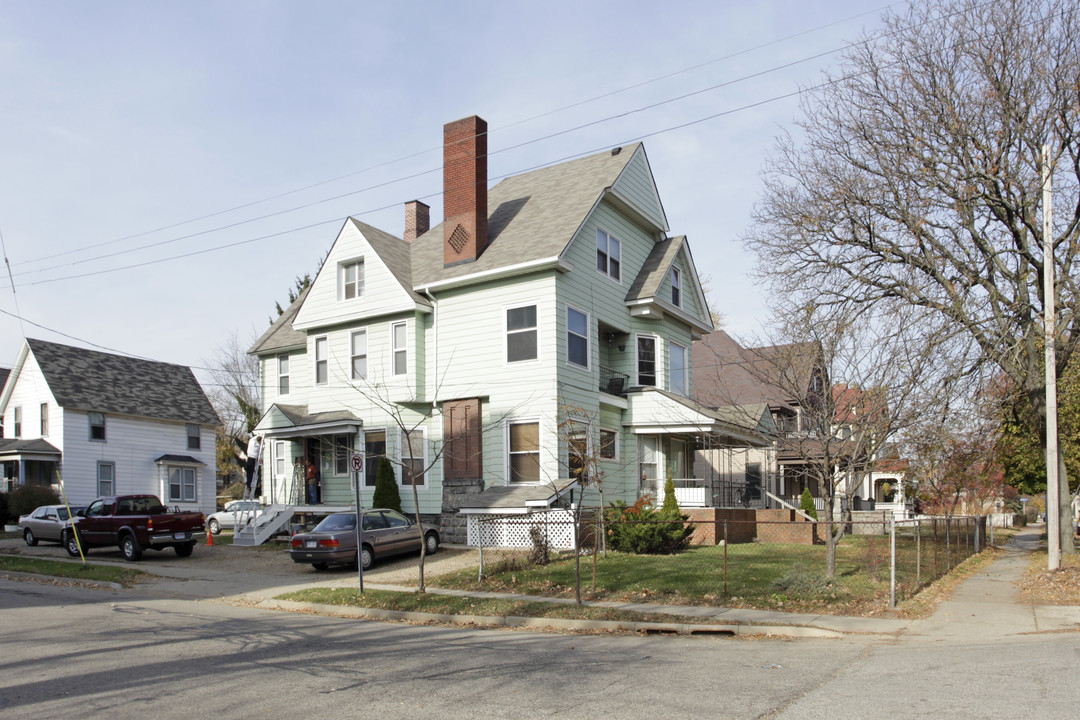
x: 71, y: 544
x: 130, y: 548
x: 28, y: 536
x: 367, y: 557
x: 213, y: 526
x: 184, y: 550
x: 431, y: 543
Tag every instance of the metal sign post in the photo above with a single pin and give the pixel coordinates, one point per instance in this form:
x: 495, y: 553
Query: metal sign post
x: 357, y: 466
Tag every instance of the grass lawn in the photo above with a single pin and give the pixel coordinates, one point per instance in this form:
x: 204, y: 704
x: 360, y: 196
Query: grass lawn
x: 59, y: 568
x: 489, y: 607
x: 765, y: 576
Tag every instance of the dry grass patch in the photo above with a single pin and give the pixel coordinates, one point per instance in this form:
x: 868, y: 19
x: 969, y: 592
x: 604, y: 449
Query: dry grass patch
x: 1040, y: 586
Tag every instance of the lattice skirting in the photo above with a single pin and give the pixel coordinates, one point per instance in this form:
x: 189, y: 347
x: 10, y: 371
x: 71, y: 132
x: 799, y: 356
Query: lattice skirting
x: 512, y: 531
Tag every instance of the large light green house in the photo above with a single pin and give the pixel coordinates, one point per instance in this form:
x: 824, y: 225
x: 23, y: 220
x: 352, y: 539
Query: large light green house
x: 542, y: 330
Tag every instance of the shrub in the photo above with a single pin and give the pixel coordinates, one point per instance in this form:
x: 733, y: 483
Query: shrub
x: 540, y: 553
x: 23, y: 499
x: 386, y: 489
x: 642, y: 530
x: 806, y: 504
x: 670, y: 503
x: 800, y: 581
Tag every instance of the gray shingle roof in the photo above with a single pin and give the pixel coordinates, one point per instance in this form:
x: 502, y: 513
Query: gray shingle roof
x: 102, y: 382
x: 38, y: 446
x: 280, y: 335
x: 531, y: 216
x: 654, y: 270
x: 395, y: 253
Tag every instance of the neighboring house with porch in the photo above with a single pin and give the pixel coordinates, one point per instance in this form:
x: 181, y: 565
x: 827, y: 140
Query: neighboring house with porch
x: 462, y: 350
x: 107, y: 424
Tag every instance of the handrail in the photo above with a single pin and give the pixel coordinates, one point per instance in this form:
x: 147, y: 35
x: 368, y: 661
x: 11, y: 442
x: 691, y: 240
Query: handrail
x: 789, y: 506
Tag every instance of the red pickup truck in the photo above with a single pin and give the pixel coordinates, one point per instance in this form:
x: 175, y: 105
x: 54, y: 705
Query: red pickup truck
x: 134, y: 523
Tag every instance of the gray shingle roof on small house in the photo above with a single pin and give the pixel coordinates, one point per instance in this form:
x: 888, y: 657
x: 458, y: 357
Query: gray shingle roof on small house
x: 531, y: 216
x: 102, y: 382
x: 37, y: 446
x: 280, y: 335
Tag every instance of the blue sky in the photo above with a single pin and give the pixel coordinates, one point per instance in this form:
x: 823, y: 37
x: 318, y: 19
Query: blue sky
x: 123, y: 121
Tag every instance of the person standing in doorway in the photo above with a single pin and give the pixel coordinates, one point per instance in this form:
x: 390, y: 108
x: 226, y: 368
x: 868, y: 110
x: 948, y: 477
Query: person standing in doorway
x: 312, y: 482
x: 254, y: 452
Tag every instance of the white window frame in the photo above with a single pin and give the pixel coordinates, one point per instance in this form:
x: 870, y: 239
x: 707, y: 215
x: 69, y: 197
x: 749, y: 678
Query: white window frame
x: 535, y: 329
x: 356, y: 286
x: 354, y: 356
x: 657, y: 374
x: 538, y: 452
x: 283, y: 364
x: 101, y: 490
x: 676, y: 287
x: 684, y: 381
x: 604, y: 242
x: 585, y: 337
x: 184, y: 485
x: 402, y: 457
x: 324, y: 342
x: 614, y: 445
x: 196, y: 435
x: 44, y: 419
x: 279, y: 458
x: 91, y: 425
x: 403, y: 349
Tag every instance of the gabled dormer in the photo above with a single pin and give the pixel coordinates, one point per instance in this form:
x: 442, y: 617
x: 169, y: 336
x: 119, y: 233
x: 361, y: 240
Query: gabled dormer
x: 366, y: 275
x: 668, y: 285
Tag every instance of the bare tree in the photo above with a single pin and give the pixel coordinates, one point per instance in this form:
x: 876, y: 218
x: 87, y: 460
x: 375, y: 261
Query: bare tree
x: 916, y: 182
x: 234, y: 393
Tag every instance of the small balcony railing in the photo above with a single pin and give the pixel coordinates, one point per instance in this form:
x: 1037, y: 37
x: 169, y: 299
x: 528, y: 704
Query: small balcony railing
x: 612, y: 382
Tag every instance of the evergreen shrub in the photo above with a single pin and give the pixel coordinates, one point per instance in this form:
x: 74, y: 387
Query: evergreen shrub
x: 641, y: 529
x: 386, y: 489
x: 25, y: 498
x: 806, y: 504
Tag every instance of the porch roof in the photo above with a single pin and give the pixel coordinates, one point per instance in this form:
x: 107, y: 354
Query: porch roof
x: 516, y: 499
x: 653, y: 411
x: 284, y: 421
x: 35, y: 449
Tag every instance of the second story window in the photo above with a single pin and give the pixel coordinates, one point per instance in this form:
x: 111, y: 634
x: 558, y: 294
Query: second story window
x: 677, y: 368
x: 521, y: 334
x: 322, y: 360
x: 283, y: 374
x: 646, y: 360
x: 577, y: 337
x: 18, y: 421
x: 359, y: 354
x: 97, y: 426
x: 44, y: 419
x: 352, y: 279
x: 194, y: 437
x: 401, y: 353
x: 676, y: 287
x: 608, y: 255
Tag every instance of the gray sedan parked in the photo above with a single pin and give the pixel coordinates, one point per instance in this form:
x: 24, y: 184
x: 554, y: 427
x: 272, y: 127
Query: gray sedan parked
x: 46, y: 523
x: 383, y: 533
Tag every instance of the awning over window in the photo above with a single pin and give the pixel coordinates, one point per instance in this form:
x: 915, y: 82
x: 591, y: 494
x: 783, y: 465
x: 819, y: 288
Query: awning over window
x: 289, y: 421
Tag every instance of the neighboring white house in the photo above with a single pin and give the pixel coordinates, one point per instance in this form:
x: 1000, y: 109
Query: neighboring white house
x: 106, y: 424
x: 558, y: 289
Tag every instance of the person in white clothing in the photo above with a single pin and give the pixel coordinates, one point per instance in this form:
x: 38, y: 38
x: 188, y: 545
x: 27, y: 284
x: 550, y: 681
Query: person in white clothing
x: 254, y: 449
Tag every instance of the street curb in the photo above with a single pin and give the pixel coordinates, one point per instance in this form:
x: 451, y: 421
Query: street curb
x: 58, y: 580
x: 737, y: 629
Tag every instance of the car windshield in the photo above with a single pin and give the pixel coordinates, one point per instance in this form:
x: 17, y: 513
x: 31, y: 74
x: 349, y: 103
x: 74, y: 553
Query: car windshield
x: 334, y: 523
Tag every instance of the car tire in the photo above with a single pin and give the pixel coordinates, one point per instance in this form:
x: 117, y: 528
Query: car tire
x: 367, y: 557
x: 213, y: 526
x: 131, y: 550
x: 28, y: 536
x: 320, y: 565
x: 184, y: 550
x: 71, y: 543
x: 431, y: 543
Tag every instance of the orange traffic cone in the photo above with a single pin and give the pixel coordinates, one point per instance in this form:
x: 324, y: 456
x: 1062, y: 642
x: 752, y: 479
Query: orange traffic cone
x: 209, y: 538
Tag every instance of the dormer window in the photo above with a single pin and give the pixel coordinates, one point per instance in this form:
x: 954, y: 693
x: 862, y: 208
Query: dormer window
x: 351, y: 279
x: 676, y: 287
x: 608, y: 255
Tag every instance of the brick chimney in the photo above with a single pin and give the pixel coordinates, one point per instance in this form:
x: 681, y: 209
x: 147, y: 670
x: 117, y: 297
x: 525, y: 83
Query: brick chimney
x: 417, y: 219
x: 464, y: 190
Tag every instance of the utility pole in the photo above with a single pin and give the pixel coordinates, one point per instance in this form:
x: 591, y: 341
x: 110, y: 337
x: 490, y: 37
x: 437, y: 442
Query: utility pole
x: 1054, y: 509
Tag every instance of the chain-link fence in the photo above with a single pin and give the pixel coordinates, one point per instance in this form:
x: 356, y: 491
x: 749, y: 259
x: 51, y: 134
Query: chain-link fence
x: 728, y: 559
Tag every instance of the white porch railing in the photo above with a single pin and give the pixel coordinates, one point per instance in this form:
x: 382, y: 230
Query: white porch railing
x: 690, y: 497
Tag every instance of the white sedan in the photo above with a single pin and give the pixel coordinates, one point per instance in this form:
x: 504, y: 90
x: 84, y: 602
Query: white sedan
x: 236, y: 512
